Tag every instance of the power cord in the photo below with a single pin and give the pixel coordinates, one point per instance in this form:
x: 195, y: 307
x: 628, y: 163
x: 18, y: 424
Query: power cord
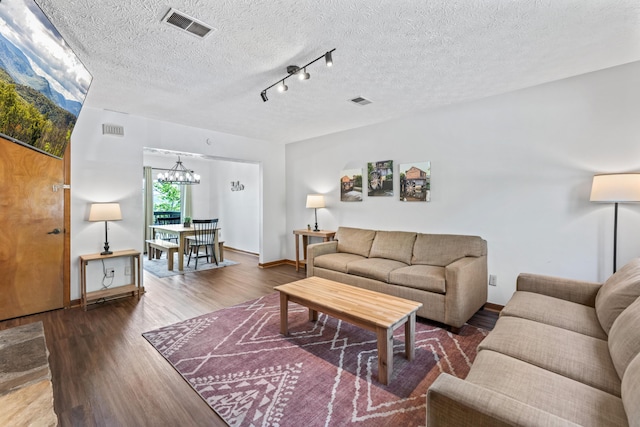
x: 104, y: 277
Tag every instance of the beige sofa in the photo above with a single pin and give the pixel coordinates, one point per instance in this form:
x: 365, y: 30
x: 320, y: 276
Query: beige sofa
x: 563, y: 353
x: 446, y: 273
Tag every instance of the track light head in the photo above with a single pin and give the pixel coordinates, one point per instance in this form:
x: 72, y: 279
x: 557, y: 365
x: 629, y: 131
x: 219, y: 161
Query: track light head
x: 263, y: 94
x: 328, y: 59
x: 282, y: 87
x: 303, y: 75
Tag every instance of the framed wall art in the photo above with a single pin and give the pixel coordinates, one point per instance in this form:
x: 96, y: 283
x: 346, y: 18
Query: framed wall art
x: 351, y: 185
x: 415, y: 182
x: 380, y: 178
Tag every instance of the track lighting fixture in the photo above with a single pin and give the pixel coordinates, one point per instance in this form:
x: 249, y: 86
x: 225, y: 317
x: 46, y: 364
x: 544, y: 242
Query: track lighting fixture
x: 328, y: 59
x: 301, y: 72
x: 303, y: 75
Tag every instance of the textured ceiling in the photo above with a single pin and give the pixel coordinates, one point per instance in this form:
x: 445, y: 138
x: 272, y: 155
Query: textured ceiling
x: 405, y: 56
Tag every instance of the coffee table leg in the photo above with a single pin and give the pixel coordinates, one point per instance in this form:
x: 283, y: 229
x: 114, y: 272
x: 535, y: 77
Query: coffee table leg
x: 284, y: 314
x: 410, y: 336
x: 313, y: 315
x: 385, y: 355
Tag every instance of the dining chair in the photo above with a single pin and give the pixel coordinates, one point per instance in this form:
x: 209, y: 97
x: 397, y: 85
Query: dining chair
x: 165, y: 221
x: 204, y: 235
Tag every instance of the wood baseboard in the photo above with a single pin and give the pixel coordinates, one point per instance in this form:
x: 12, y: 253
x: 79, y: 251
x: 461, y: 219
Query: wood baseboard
x: 493, y: 307
x: 277, y: 263
x: 228, y: 248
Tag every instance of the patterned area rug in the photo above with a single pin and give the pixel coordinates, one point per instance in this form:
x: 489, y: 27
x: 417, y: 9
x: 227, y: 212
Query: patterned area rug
x: 322, y: 374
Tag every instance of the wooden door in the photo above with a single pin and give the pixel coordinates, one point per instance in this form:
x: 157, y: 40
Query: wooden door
x: 31, y: 255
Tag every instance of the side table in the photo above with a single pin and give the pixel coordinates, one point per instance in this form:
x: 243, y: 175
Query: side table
x: 325, y: 234
x: 136, y: 276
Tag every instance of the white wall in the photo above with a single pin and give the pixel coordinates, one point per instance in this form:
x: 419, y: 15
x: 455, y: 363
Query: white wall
x: 238, y: 211
x: 108, y: 168
x: 515, y: 169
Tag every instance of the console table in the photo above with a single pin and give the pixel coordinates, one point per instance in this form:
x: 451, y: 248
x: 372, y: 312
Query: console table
x: 136, y: 276
x: 326, y: 235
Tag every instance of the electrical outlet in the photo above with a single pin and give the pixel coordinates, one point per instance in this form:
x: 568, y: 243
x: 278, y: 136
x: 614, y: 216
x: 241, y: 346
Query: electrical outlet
x: 493, y: 280
x: 110, y: 272
x: 127, y: 270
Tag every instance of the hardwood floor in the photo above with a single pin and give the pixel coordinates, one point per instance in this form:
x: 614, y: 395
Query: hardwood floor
x: 105, y: 373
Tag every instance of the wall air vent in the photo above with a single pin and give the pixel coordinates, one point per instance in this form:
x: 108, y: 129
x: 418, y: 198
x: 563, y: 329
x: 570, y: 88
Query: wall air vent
x: 360, y: 101
x: 116, y: 130
x: 186, y: 23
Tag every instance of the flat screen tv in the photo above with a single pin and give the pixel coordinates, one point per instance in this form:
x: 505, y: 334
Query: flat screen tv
x: 43, y: 84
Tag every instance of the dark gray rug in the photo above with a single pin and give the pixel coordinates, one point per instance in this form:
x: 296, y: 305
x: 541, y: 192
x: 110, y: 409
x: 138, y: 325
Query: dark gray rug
x: 158, y: 267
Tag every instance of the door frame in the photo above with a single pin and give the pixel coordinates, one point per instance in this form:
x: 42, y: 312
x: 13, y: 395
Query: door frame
x: 66, y: 252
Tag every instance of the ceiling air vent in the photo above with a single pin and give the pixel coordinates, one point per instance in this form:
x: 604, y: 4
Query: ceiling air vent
x: 360, y: 101
x: 187, y: 23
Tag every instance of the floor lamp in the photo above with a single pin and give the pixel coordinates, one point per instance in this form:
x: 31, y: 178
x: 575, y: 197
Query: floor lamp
x: 105, y: 212
x: 616, y: 188
x: 315, y: 201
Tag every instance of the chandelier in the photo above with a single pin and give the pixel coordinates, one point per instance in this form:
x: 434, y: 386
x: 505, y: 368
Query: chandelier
x: 179, y: 175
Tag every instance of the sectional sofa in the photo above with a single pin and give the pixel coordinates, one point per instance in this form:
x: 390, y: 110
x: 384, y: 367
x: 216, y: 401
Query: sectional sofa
x: 446, y: 273
x: 563, y: 353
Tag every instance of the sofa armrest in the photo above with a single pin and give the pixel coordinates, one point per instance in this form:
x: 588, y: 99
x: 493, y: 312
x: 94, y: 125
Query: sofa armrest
x: 455, y: 402
x: 466, y: 289
x: 578, y: 291
x: 317, y: 249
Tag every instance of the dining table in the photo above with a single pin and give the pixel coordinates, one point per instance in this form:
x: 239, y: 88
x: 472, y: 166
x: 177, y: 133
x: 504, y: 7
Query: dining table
x: 183, y: 232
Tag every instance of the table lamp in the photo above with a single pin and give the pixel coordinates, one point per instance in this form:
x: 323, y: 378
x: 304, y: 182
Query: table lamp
x: 616, y: 188
x: 315, y: 201
x: 105, y: 212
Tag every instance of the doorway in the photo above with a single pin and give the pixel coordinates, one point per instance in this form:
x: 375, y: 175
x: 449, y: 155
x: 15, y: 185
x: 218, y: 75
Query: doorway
x: 229, y: 190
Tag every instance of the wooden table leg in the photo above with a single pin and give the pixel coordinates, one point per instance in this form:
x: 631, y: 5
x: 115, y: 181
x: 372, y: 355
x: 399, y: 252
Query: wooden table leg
x: 313, y: 315
x: 284, y: 314
x: 216, y: 247
x: 297, y: 252
x: 182, y: 240
x: 410, y: 336
x: 83, y: 284
x: 305, y: 243
x: 385, y: 355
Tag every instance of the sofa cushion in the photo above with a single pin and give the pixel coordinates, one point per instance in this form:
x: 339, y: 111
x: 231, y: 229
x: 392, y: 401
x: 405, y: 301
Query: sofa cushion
x: 355, y: 240
x: 631, y: 390
x: 374, y: 268
x: 573, y: 355
x: 540, y: 388
x: 555, y: 312
x: 425, y: 277
x: 443, y: 249
x: 624, y: 337
x: 397, y: 245
x: 617, y: 293
x: 336, y: 262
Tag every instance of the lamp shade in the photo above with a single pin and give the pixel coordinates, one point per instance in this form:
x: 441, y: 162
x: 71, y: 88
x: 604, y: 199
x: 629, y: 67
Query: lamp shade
x: 105, y: 212
x: 315, y: 201
x: 616, y: 188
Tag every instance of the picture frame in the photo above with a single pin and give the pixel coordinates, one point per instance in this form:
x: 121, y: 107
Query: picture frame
x: 415, y: 182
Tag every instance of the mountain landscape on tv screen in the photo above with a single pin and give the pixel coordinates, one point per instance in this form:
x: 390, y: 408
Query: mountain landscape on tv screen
x: 16, y: 64
x: 42, y: 82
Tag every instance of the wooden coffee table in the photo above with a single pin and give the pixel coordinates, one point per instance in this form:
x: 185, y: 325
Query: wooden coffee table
x: 374, y: 311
